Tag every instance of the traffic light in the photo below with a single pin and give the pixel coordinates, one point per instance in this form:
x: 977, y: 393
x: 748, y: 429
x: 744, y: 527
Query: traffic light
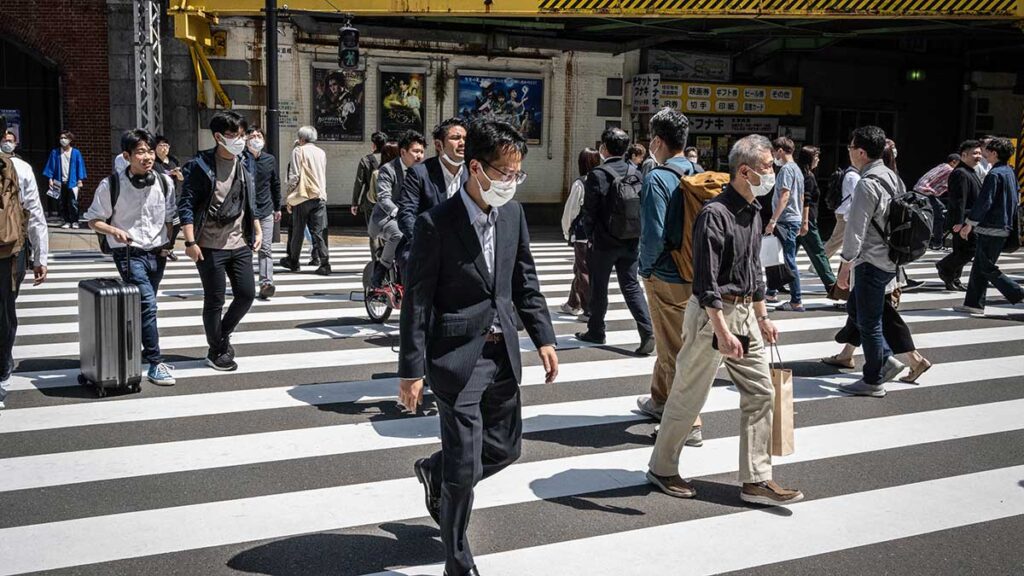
x: 348, y: 47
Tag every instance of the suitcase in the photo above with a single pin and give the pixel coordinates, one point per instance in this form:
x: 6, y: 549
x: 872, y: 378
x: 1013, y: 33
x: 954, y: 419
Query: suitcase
x: 110, y: 335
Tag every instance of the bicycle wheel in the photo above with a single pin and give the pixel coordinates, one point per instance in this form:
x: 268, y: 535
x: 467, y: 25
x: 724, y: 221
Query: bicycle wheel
x: 376, y: 302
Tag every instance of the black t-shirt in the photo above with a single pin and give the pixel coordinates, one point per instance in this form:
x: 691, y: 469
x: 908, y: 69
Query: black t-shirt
x: 166, y: 167
x: 812, y: 194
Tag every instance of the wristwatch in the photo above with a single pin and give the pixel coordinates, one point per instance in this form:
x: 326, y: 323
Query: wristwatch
x: 189, y: 244
x: 762, y: 318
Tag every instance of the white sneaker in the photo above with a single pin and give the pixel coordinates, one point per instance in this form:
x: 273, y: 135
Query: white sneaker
x: 566, y: 309
x: 968, y: 309
x: 74, y: 225
x: 65, y: 226
x: 3, y: 391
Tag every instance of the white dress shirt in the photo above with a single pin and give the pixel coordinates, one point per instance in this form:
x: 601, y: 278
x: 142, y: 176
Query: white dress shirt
x: 850, y: 181
x: 142, y: 213
x: 483, y: 224
x: 452, y: 182
x: 29, y: 195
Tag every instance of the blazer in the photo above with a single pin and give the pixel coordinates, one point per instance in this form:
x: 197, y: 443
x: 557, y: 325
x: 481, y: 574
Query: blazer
x: 423, y: 188
x: 595, y: 205
x: 390, y: 177
x: 450, y: 297
x: 360, y: 196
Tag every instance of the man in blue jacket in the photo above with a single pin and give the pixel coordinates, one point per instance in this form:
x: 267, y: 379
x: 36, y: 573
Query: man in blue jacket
x: 992, y: 220
x: 66, y: 171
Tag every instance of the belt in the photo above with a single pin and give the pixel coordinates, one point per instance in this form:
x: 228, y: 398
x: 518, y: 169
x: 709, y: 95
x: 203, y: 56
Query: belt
x: 734, y: 299
x: 494, y: 337
x: 131, y: 250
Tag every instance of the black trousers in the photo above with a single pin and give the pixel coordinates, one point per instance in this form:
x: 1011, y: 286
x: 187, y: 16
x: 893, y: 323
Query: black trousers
x: 12, y: 274
x: 481, y: 433
x: 894, y: 329
x: 311, y: 214
x: 236, y: 266
x: 625, y: 262
x: 68, y: 205
x: 952, y: 265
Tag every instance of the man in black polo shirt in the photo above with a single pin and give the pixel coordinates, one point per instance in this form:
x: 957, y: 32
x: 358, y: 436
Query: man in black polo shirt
x: 726, y: 320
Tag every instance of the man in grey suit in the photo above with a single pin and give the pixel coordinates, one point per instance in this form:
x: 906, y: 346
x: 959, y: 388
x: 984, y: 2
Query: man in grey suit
x: 470, y: 275
x: 384, y: 220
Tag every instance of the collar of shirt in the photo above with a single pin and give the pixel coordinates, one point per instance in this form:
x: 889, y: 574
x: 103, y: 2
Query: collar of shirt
x: 451, y: 181
x: 736, y: 203
x: 477, y: 217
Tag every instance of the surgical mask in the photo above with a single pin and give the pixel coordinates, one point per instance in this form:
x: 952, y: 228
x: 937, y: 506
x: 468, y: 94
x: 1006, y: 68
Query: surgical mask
x: 779, y: 162
x: 499, y: 192
x: 7, y: 147
x: 233, y: 145
x: 766, y: 187
x: 448, y: 159
x: 257, y: 144
x: 65, y: 142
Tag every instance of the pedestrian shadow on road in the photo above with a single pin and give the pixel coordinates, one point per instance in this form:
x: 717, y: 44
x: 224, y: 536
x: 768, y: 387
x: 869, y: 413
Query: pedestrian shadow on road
x: 580, y: 489
x: 389, y: 545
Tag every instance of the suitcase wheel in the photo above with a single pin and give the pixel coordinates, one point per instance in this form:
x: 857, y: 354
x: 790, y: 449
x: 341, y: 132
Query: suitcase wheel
x: 82, y: 381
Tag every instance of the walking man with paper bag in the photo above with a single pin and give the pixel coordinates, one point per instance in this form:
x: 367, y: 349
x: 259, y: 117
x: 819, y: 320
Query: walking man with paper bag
x: 727, y: 321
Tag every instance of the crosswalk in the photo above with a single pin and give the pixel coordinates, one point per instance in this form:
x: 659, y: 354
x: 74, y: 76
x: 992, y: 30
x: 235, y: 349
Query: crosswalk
x: 301, y: 463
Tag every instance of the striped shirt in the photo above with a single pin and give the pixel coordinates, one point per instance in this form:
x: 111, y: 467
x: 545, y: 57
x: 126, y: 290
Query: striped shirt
x: 935, y: 182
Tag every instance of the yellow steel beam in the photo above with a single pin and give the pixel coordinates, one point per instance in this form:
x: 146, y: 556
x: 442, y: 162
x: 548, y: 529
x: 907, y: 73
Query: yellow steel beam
x: 944, y: 9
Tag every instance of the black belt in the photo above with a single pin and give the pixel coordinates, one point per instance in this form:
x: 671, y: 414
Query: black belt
x: 133, y: 251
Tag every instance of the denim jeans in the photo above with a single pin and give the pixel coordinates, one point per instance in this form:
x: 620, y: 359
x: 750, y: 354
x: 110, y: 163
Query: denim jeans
x: 787, y: 232
x: 985, y: 270
x: 866, y: 304
x: 144, y: 270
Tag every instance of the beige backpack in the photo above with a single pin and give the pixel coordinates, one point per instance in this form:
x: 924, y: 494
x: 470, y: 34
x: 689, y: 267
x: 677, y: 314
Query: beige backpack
x: 13, y: 216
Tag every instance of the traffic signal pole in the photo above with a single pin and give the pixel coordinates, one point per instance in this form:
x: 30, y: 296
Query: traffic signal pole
x: 272, y: 128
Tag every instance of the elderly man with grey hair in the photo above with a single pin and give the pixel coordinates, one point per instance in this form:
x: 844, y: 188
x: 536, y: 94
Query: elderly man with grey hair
x: 727, y: 321
x: 307, y: 201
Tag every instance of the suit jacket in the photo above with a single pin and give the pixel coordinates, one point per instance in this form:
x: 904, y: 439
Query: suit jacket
x: 423, y: 188
x: 367, y: 164
x: 390, y: 177
x: 595, y: 205
x: 450, y: 297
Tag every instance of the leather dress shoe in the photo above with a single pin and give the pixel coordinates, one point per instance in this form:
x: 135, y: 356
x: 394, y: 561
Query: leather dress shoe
x: 433, y: 501
x: 588, y: 337
x: 472, y: 572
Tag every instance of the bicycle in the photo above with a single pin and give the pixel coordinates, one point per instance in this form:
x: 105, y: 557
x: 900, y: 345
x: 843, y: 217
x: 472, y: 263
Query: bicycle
x: 379, y: 302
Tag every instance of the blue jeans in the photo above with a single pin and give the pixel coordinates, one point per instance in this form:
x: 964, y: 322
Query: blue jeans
x: 866, y: 303
x: 144, y: 270
x: 985, y: 270
x: 787, y: 233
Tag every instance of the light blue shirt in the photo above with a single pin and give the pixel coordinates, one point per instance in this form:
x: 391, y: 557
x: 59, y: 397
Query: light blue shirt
x: 483, y: 224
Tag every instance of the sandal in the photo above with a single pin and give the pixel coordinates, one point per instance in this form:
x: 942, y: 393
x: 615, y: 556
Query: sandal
x: 916, y: 371
x: 835, y: 361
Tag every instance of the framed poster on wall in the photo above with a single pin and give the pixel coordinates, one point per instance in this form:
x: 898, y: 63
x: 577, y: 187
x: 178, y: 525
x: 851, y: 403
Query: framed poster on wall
x: 339, y: 104
x: 403, y: 100
x: 516, y: 98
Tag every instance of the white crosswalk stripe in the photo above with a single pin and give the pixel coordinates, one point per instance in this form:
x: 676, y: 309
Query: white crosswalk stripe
x: 305, y: 439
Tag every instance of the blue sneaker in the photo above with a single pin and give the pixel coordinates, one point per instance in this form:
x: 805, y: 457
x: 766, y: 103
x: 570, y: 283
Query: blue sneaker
x: 160, y: 374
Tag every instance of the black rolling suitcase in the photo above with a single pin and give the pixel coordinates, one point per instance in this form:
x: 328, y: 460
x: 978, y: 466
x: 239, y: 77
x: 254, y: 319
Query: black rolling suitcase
x: 110, y: 335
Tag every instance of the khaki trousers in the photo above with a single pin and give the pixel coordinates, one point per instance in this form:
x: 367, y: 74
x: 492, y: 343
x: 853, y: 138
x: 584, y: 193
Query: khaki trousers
x: 667, y: 302
x: 696, y: 367
x: 835, y: 241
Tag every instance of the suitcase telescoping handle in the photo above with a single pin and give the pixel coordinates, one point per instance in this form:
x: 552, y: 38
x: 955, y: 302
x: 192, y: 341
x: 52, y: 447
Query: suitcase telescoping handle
x: 130, y: 338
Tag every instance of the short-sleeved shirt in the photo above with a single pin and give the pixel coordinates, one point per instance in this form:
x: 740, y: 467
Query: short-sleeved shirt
x: 141, y: 212
x: 790, y: 178
x: 226, y: 236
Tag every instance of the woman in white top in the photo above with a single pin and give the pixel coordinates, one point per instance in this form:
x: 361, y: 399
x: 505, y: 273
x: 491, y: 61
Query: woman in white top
x: 579, y: 295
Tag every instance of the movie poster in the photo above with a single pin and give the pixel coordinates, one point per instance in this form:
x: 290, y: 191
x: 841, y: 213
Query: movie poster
x: 339, y: 106
x: 518, y: 100
x: 403, y: 101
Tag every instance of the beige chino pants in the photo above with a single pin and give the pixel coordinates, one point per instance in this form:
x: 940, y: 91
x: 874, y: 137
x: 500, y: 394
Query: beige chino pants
x: 667, y: 302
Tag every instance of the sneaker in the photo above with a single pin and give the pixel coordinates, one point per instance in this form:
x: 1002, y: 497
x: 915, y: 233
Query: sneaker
x: 588, y: 337
x: 221, y: 362
x: 75, y: 226
x: 324, y: 270
x: 585, y: 318
x: 674, y: 486
x: 969, y: 309
x: 160, y: 374
x: 769, y: 494
x: 862, y: 388
x: 228, y: 349
x: 790, y: 307
x: 566, y: 309
x: 65, y: 226
x: 695, y: 439
x: 3, y: 391
x: 646, y: 347
x: 646, y: 405
x: 891, y: 370
x: 267, y: 291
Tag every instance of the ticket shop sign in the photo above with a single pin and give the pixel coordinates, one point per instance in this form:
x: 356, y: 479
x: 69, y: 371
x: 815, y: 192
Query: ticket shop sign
x: 735, y: 100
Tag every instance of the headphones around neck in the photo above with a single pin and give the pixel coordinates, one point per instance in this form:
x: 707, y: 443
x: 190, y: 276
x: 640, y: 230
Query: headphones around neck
x: 147, y: 179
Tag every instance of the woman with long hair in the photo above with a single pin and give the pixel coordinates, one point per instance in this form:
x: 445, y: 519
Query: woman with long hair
x: 808, y: 237
x: 578, y: 303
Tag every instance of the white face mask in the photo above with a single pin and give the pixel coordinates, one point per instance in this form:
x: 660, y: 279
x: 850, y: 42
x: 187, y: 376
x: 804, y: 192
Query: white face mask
x: 257, y: 144
x: 780, y: 162
x: 449, y: 160
x: 7, y: 147
x: 233, y: 145
x: 766, y: 187
x: 65, y: 142
x: 499, y: 192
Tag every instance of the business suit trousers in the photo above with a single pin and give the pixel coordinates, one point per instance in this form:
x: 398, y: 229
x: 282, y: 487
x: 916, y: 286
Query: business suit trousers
x: 951, y: 266
x: 579, y: 292
x: 310, y: 214
x: 696, y: 366
x: 481, y: 432
x: 668, y: 306
x: 624, y: 260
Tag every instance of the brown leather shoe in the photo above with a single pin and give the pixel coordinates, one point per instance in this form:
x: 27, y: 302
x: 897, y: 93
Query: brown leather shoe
x: 769, y: 494
x: 674, y: 486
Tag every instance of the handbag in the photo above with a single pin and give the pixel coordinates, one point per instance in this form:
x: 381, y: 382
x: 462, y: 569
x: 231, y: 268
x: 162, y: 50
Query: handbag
x: 782, y: 414
x: 778, y: 276
x: 771, y: 251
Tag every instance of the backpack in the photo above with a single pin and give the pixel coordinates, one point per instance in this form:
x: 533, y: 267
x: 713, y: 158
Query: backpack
x: 908, y: 228
x: 114, y: 184
x: 834, y: 195
x: 13, y: 216
x: 623, y: 219
x: 371, y: 194
x: 694, y: 192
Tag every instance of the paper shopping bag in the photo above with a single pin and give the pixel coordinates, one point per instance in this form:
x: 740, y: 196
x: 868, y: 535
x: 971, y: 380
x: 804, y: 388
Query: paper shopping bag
x: 782, y: 421
x: 771, y: 251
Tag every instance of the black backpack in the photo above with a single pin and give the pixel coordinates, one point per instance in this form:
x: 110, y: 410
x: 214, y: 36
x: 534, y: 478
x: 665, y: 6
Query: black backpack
x: 114, y: 183
x: 909, y: 225
x: 834, y: 196
x: 623, y: 204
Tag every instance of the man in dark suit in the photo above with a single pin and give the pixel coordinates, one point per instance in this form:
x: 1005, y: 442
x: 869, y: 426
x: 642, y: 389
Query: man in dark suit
x: 384, y: 220
x: 470, y: 275
x: 435, y: 180
x: 610, y: 251
x: 361, y: 191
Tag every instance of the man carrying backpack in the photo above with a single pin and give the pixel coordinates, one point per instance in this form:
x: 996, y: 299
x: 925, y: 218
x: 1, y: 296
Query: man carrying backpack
x: 21, y: 219
x: 662, y: 230
x: 611, y: 217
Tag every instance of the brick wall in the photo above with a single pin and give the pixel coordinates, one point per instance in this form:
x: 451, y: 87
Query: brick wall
x: 73, y: 34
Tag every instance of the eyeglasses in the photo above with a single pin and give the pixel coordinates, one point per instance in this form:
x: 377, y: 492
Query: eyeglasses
x: 518, y: 177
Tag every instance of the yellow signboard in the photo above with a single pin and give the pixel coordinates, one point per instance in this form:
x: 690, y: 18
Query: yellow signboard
x: 732, y: 99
